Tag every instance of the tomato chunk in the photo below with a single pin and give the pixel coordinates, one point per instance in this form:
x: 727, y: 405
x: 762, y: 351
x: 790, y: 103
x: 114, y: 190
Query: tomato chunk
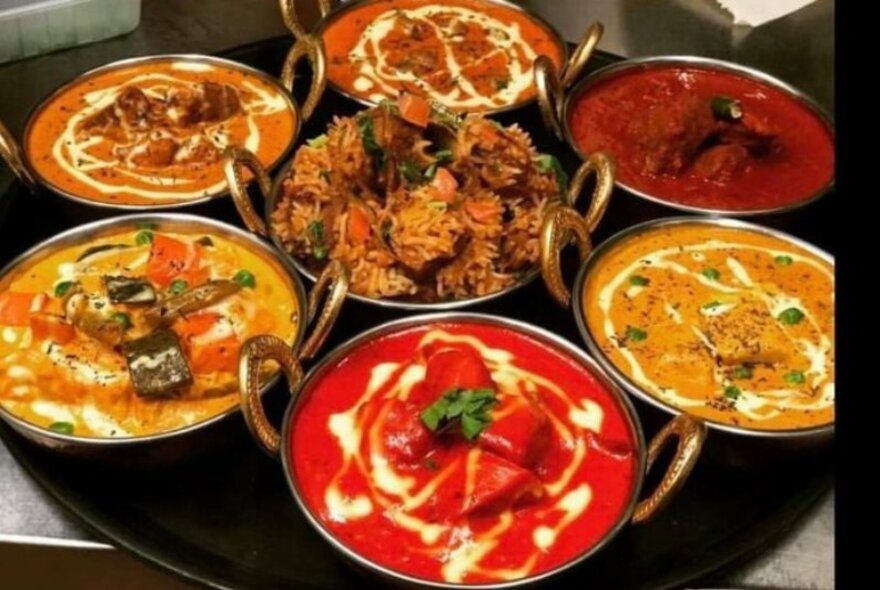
x: 16, y: 308
x: 414, y: 109
x: 358, y: 225
x: 172, y: 259
x: 499, y: 485
x: 445, y: 185
x: 519, y: 433
x: 451, y: 368
x: 209, y: 353
x: 405, y: 436
x: 45, y: 326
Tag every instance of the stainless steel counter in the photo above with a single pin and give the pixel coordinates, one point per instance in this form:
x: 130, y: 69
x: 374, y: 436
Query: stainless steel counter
x: 41, y: 546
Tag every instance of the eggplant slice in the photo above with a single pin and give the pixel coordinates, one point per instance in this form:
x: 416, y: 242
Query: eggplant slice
x: 129, y: 290
x: 157, y: 365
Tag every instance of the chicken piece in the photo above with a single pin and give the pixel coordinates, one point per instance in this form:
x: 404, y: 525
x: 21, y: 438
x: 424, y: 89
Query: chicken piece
x: 197, y: 150
x: 747, y: 333
x: 154, y: 153
x: 208, y: 103
x: 519, y: 432
x: 500, y: 485
x: 405, y: 437
x: 134, y: 108
x: 721, y: 162
x: 751, y: 133
x: 670, y: 133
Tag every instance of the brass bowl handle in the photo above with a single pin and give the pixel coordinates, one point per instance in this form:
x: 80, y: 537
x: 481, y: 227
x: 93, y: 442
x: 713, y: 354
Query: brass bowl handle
x: 333, y: 282
x: 550, y: 94
x: 572, y: 70
x: 10, y: 152
x: 312, y: 48
x: 562, y: 223
x: 691, y: 434
x: 291, y: 18
x: 234, y: 159
x: 254, y: 353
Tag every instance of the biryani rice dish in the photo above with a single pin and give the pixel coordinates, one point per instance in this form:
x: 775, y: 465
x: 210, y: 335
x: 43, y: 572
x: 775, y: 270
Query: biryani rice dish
x: 420, y: 204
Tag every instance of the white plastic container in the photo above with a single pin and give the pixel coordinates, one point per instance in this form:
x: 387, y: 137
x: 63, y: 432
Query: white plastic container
x: 32, y: 27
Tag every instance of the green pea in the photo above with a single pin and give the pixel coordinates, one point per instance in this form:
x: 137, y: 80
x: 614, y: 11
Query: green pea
x: 178, y: 286
x: 61, y: 427
x: 791, y: 316
x: 635, y: 334
x: 123, y: 319
x: 143, y: 238
x: 732, y: 392
x: 245, y: 278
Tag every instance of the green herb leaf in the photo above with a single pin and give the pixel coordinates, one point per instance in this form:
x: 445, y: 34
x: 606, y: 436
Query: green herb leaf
x: 317, y: 142
x: 795, y: 377
x: 783, y: 260
x: 732, y: 392
x: 316, y: 238
x: 178, y: 286
x: 143, y: 238
x: 368, y: 140
x: 743, y: 372
x: 62, y: 288
x: 711, y: 305
x: 634, y: 334
x: 470, y: 407
x: 726, y: 108
x: 61, y: 427
x: 410, y: 172
x: 246, y: 279
x: 791, y: 316
x: 639, y: 281
x: 712, y: 274
x: 122, y: 318
x: 548, y: 163
x: 444, y: 156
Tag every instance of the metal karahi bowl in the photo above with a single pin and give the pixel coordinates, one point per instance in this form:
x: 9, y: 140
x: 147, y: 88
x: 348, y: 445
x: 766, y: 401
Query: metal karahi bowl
x: 17, y: 158
x: 687, y: 431
x: 557, y: 95
x: 743, y: 444
x: 169, y: 446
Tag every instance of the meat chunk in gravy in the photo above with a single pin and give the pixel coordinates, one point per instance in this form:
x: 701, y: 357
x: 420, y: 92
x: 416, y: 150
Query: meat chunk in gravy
x: 747, y: 333
x: 208, y: 103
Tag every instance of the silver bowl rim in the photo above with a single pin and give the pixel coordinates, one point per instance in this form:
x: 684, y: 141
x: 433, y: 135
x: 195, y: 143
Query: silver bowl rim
x: 587, y: 268
x: 342, y: 8
x: 81, y: 234
x: 134, y: 61
x: 703, y: 63
x: 541, y: 335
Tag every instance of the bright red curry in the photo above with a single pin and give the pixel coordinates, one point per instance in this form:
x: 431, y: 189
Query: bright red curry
x: 463, y: 453
x: 705, y: 138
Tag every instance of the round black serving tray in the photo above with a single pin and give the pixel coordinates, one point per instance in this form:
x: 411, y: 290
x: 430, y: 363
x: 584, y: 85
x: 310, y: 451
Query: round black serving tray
x: 227, y: 519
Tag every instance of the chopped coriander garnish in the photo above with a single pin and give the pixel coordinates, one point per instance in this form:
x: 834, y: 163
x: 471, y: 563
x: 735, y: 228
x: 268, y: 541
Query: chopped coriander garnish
x: 639, y: 281
x: 743, y: 372
x: 732, y: 392
x: 178, y: 286
x: 143, y: 238
x: 410, y: 172
x: 548, y: 163
x: 245, y: 278
x: 444, y: 156
x: 318, y: 142
x: 791, y: 316
x: 61, y: 427
x: 122, y: 318
x: 794, y: 377
x: 430, y: 172
x: 712, y: 304
x: 712, y: 274
x: 469, y: 406
x: 62, y: 288
x: 783, y: 260
x: 368, y: 140
x: 316, y: 238
x: 635, y: 334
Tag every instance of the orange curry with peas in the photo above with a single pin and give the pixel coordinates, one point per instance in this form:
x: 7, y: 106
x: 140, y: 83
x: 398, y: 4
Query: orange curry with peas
x: 152, y: 133
x: 732, y: 325
x: 135, y: 333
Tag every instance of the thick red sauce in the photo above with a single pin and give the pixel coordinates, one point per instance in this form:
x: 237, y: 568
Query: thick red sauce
x: 428, y: 508
x: 606, y: 116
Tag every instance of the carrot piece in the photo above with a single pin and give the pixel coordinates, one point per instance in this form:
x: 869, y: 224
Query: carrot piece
x: 45, y: 326
x: 358, y: 225
x: 216, y: 356
x: 172, y: 259
x: 195, y: 324
x: 481, y: 211
x: 414, y: 109
x: 445, y: 184
x: 16, y: 308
